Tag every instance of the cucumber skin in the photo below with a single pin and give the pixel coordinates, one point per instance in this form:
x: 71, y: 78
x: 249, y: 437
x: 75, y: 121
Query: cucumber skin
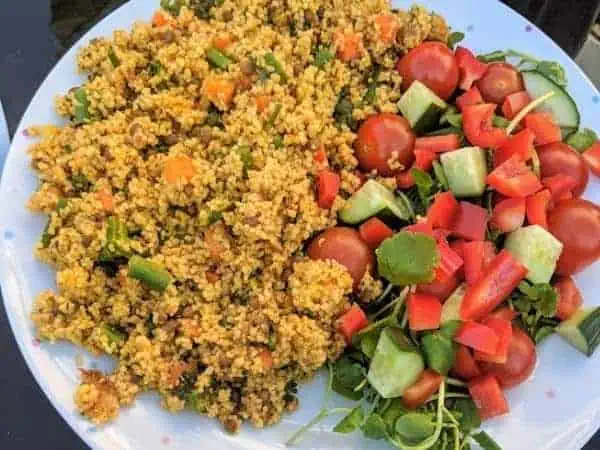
x: 466, y: 171
x: 582, y: 330
x: 411, y: 105
x: 451, y: 307
x: 371, y: 200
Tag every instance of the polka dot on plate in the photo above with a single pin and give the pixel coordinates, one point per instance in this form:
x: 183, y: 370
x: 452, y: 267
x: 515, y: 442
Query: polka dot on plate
x: 92, y: 429
x: 36, y: 342
x: 550, y: 393
x: 166, y: 440
x: 596, y: 99
x: 9, y: 235
x: 470, y: 28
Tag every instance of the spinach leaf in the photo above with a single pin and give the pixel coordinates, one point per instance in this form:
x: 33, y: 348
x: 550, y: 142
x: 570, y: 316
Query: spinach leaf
x: 351, y: 422
x: 374, y: 427
x: 455, y: 38
x: 439, y: 351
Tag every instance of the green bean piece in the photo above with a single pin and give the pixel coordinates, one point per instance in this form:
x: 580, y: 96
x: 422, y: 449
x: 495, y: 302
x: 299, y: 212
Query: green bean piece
x: 46, y: 238
x: 117, y: 237
x: 272, y: 61
x: 114, y: 59
x: 274, y: 115
x: 218, y: 59
x: 278, y: 141
x: 151, y: 274
x: 81, y: 107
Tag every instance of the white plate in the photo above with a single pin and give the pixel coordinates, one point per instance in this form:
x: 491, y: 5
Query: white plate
x: 559, y: 408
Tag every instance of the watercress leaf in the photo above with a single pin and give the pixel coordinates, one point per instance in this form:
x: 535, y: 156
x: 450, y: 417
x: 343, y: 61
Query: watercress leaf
x: 408, y: 258
x: 351, y: 422
x: 368, y: 342
x: 523, y: 304
x: 372, y: 80
x: 455, y: 38
x: 374, y: 427
x: 467, y: 416
x: 582, y: 139
x: 547, y: 300
x: 439, y: 352
x: 497, y: 56
x: 425, y: 185
x: 440, y: 174
x: 348, y: 373
x: 485, y: 441
x: 528, y: 289
x: 553, y: 71
x: 500, y: 122
x: 392, y: 413
x: 415, y: 427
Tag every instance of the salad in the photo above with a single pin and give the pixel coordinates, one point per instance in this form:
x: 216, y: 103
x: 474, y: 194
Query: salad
x: 477, y: 245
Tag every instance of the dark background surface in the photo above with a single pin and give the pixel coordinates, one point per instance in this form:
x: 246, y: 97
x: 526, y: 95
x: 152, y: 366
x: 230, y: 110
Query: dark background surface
x: 33, y: 35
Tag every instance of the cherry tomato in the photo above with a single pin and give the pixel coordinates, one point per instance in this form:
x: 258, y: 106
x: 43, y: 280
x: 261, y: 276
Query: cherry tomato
x: 345, y: 246
x: 427, y: 385
x: 434, y: 65
x: 569, y: 298
x: 576, y: 223
x: 500, y: 80
x: 520, y: 363
x: 561, y: 159
x: 384, y: 137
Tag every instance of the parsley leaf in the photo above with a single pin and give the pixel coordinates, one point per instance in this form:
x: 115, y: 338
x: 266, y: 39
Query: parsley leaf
x: 408, y: 258
x: 372, y: 80
x: 81, y: 106
x: 344, y: 110
x: 582, y: 140
x: 425, y: 186
x: 323, y: 55
x: 455, y: 38
x: 347, y: 375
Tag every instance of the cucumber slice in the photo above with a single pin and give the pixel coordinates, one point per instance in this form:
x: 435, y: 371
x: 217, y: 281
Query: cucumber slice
x: 537, y: 250
x: 582, y: 330
x: 370, y: 200
x: 561, y: 105
x: 421, y: 107
x: 396, y: 365
x: 451, y: 308
x: 466, y: 170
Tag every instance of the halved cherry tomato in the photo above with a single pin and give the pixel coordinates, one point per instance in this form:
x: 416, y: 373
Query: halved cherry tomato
x: 328, y: 188
x: 352, y: 321
x: 592, y: 158
x: 478, y: 337
x: 374, y: 232
x: 465, y: 367
x: 477, y: 124
x: 514, y: 179
x: 543, y: 126
x: 442, y: 211
x: 503, y: 329
x: 499, y: 279
x: 560, y: 158
x: 420, y: 227
x: 450, y: 261
x: 514, y: 103
x: 519, y: 364
x: 424, y: 312
x: 434, y: 65
x: 537, y: 208
x: 424, y: 159
x: 500, y: 80
x: 471, y: 97
x: 427, y: 385
x: 383, y: 137
x: 471, y: 69
x: 559, y: 184
x: 504, y: 312
x: 470, y: 222
x: 521, y: 144
x: 473, y: 259
x: 576, y: 223
x: 438, y: 144
x: 441, y: 289
x: 509, y: 214
x: 488, y: 397
x: 569, y: 298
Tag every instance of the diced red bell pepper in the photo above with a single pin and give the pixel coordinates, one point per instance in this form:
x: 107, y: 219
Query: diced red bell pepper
x: 320, y: 156
x: 441, y: 213
x: 441, y: 289
x: 374, y: 232
x: 489, y: 253
x: 478, y: 127
x: 504, y: 312
x: 514, y: 179
x: 473, y: 258
x: 503, y: 329
x: 424, y: 159
x: 424, y: 312
x: 592, y: 158
x: 569, y: 298
x: 328, y: 188
x: 488, y: 397
x: 521, y: 144
x: 471, y: 69
x: 438, y: 144
x: 559, y: 184
x: 499, y: 279
x: 471, y: 97
x: 450, y: 261
x: 465, y: 367
x: 514, y: 103
x: 428, y: 384
x: 543, y: 126
x: 352, y: 321
x: 478, y: 337
x: 537, y: 208
x: 509, y: 214
x: 420, y: 227
x: 470, y: 222
x: 405, y: 180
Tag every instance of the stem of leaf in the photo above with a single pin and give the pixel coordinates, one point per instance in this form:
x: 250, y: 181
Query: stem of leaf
x: 393, y: 317
x: 455, y: 382
x: 534, y: 104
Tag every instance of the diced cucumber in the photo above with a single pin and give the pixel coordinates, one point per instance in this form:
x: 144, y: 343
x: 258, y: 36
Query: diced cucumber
x: 466, y: 171
x: 396, y: 365
x: 421, y: 107
x: 370, y: 200
x: 582, y: 330
x: 562, y: 107
x: 451, y: 308
x: 537, y: 250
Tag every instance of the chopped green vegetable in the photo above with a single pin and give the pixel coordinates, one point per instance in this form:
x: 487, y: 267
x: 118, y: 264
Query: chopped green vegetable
x: 426, y: 187
x: 485, y: 441
x: 114, y: 59
x: 274, y: 115
x: 46, y: 237
x: 80, y: 183
x: 272, y: 61
x: 278, y: 141
x: 469, y: 416
x: 218, y: 59
x: 116, y: 335
x: 374, y: 199
x: 351, y: 422
x: 440, y: 174
x: 344, y: 110
x: 81, y: 107
x: 452, y: 118
x: 151, y: 274
x: 202, y: 8
x: 349, y: 372
x: 154, y: 68
x: 497, y: 56
x: 455, y: 38
x: 582, y: 139
x: 246, y: 157
x: 407, y: 258
x: 173, y: 7
x: 500, y: 122
x: 372, y: 81
x: 323, y: 56
x: 582, y: 330
x: 214, y: 217
x: 439, y: 351
x: 214, y: 117
x: 374, y: 427
x: 415, y: 427
x: 117, y: 241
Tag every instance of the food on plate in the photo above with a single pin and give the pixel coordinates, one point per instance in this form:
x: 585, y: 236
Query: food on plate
x: 247, y: 193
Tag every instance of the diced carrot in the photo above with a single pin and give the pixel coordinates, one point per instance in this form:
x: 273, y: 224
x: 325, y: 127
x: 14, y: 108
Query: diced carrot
x: 219, y: 91
x: 266, y: 358
x: 212, y: 277
x: 262, y: 101
x: 106, y: 198
x: 388, y: 27
x: 352, y: 321
x: 178, y: 168
x: 349, y: 45
x: 223, y: 41
x: 159, y: 19
x: 320, y: 155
